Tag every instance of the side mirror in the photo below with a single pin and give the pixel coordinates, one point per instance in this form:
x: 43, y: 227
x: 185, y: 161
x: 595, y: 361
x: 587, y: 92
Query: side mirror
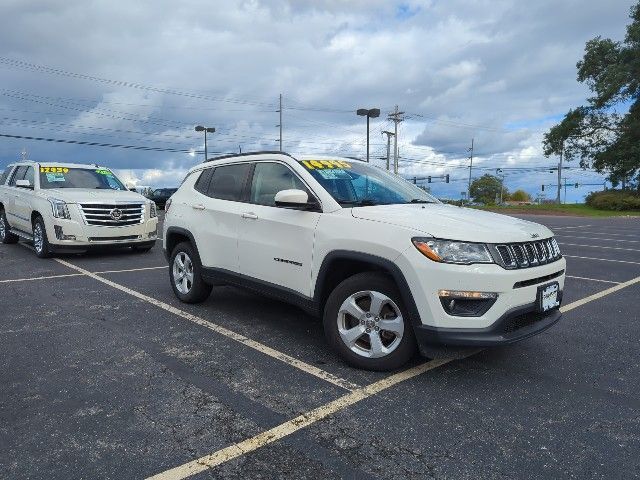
x: 297, y: 199
x: 24, y: 184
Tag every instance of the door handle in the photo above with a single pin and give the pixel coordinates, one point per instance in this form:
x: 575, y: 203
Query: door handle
x: 250, y: 215
x: 198, y: 207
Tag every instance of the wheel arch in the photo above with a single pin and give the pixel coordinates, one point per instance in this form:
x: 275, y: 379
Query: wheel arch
x: 339, y: 265
x: 176, y: 235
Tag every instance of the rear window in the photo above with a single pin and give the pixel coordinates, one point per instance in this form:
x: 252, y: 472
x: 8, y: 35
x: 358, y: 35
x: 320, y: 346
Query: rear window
x: 227, y: 182
x: 5, y: 174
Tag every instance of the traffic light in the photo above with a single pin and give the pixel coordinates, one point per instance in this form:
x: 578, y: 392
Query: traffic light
x: 543, y: 188
x: 429, y: 179
x: 446, y: 178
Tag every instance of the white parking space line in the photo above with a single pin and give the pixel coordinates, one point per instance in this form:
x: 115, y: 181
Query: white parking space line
x: 131, y: 270
x: 283, y: 357
x: 596, y: 296
x: 607, y: 234
x: 601, y: 259
x: 11, y: 280
x: 287, y: 428
x: 566, y: 227
x: 593, y: 279
x: 599, y: 246
x: 602, y: 239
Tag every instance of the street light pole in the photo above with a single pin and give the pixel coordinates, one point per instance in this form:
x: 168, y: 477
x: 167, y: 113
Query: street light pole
x: 200, y: 128
x: 369, y: 113
x: 560, y: 173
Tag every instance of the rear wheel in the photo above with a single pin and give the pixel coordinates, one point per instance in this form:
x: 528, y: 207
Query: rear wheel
x: 5, y: 235
x: 40, y: 241
x: 185, y: 273
x: 366, y: 322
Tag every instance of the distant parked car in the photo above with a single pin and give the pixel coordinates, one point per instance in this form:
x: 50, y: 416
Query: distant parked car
x: 161, y: 195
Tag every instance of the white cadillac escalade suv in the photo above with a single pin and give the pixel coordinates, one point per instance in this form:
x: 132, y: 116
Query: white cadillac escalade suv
x: 64, y: 207
x: 388, y: 267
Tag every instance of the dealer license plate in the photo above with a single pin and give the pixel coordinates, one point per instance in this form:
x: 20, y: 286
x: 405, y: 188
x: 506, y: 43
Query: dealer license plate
x: 548, y: 297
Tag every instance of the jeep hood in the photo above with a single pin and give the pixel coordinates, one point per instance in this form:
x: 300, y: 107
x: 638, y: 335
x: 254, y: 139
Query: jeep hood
x: 454, y: 223
x: 81, y: 195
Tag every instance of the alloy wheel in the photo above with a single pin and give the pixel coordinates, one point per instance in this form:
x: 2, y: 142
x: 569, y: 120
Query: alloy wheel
x: 38, y: 238
x: 183, y: 273
x: 370, y: 324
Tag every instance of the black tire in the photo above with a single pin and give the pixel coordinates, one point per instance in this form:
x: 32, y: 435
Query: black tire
x: 404, y: 349
x: 43, y: 250
x: 5, y: 235
x: 199, y: 290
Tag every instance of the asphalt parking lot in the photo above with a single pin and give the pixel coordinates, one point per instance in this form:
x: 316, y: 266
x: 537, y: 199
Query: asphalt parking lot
x: 106, y: 375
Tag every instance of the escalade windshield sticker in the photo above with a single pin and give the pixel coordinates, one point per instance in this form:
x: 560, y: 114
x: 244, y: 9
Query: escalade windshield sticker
x: 325, y: 164
x: 55, y: 177
x: 54, y: 170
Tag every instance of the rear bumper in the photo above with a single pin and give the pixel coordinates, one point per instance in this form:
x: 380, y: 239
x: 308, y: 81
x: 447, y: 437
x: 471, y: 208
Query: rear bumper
x: 515, y: 325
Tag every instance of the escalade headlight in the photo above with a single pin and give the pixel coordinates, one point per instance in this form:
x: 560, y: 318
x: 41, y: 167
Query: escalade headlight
x: 59, y: 208
x: 153, y: 210
x: 449, y: 251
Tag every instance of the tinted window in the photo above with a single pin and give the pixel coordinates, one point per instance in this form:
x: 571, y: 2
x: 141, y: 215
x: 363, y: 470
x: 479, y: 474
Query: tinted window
x: 63, y: 177
x: 269, y: 179
x: 18, y: 175
x: 5, y: 174
x: 202, y: 184
x: 227, y: 182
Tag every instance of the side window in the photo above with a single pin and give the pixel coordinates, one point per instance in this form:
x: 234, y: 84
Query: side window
x: 268, y: 179
x: 18, y: 174
x: 5, y: 174
x: 227, y: 182
x: 202, y: 184
x: 29, y: 175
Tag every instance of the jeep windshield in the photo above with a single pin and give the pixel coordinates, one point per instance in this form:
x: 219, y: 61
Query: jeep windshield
x: 63, y: 177
x: 358, y: 184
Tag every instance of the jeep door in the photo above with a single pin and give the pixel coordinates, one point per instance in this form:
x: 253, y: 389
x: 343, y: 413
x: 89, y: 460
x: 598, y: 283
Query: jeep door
x: 215, y: 215
x: 275, y: 244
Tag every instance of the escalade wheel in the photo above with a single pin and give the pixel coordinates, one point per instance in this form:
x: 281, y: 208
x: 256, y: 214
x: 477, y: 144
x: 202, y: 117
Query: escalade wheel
x: 365, y: 320
x: 40, y: 241
x: 5, y: 235
x: 185, y: 273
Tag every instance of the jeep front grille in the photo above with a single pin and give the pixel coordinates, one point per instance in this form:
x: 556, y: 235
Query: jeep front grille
x: 112, y: 215
x: 529, y: 254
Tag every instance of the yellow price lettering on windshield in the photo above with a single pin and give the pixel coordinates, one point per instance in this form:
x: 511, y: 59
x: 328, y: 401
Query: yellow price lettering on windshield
x: 321, y: 164
x: 54, y: 170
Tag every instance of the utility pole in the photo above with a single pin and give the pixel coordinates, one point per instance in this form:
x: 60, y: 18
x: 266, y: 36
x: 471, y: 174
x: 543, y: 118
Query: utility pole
x: 470, y: 168
x: 565, y: 189
x: 396, y: 117
x: 501, y: 173
x: 389, y: 135
x: 280, y: 124
x: 560, y: 174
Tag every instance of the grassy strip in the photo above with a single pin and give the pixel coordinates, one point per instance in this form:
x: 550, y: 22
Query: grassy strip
x: 572, y: 209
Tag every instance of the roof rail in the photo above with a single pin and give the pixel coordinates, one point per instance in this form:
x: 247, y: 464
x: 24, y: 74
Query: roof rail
x: 262, y: 152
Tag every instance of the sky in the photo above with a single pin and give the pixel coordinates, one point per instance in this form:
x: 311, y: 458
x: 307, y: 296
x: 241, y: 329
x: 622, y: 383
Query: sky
x: 143, y: 74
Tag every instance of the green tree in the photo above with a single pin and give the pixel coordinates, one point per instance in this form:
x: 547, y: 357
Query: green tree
x: 601, y: 134
x: 485, y: 189
x: 520, y: 196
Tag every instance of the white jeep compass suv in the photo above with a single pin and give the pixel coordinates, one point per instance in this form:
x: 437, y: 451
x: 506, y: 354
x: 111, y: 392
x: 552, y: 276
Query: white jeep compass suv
x: 387, y: 266
x: 65, y: 207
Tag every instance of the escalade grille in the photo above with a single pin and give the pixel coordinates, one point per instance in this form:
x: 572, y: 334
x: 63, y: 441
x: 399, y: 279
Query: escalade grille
x: 530, y: 254
x: 112, y: 215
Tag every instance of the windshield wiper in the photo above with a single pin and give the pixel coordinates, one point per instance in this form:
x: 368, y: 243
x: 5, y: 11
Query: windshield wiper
x: 365, y: 202
x: 419, y: 200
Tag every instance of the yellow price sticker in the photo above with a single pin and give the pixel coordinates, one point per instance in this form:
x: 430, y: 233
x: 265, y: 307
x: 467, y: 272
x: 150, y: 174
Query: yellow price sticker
x: 323, y: 164
x: 54, y: 170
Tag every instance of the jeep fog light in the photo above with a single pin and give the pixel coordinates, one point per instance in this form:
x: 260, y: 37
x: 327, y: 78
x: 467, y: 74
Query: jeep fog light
x: 461, y: 303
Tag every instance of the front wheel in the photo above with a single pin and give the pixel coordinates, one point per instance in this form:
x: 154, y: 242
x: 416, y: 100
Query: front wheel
x: 40, y: 240
x: 185, y: 273
x: 5, y: 235
x: 367, y: 323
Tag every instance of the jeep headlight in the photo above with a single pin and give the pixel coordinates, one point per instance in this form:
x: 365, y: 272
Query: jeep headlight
x: 449, y: 251
x: 153, y: 210
x: 59, y: 208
